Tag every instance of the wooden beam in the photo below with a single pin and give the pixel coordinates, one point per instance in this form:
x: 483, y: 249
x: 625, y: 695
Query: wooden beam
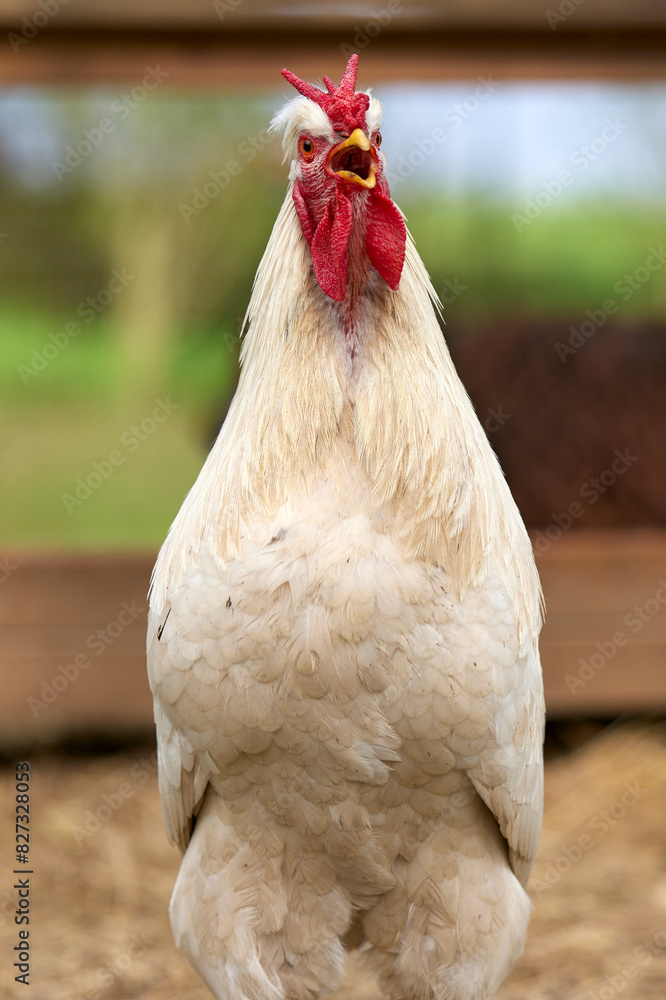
x: 239, y: 57
x: 603, y: 646
x: 299, y: 15
x: 72, y: 635
x: 72, y: 641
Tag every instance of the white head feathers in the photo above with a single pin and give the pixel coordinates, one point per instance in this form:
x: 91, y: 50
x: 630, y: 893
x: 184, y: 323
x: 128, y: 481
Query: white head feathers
x: 302, y: 115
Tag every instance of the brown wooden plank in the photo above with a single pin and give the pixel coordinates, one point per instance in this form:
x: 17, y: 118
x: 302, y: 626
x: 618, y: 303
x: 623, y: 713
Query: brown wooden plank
x: 321, y: 17
x: 611, y: 588
x: 603, y: 545
x: 579, y: 680
x: 580, y: 627
x: 54, y: 605
x: 40, y: 702
x: 250, y: 59
x: 67, y: 589
x: 604, y: 571
x: 63, y: 642
x: 72, y: 639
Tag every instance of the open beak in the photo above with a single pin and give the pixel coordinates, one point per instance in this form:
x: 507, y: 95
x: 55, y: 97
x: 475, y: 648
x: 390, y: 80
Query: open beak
x: 354, y: 160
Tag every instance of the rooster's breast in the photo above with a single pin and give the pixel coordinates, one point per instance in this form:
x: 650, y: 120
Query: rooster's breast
x: 322, y: 668
x: 324, y: 638
x: 310, y: 628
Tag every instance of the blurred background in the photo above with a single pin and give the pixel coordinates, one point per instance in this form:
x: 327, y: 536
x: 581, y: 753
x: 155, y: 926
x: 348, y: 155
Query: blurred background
x: 138, y: 189
x: 128, y: 257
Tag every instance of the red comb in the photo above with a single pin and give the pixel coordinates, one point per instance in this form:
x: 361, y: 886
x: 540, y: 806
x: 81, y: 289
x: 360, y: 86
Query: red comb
x: 345, y: 108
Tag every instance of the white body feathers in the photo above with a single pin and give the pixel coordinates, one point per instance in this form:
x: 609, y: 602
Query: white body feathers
x: 343, y: 652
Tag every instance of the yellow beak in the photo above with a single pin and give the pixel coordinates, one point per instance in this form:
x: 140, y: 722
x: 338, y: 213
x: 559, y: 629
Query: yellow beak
x: 357, y: 140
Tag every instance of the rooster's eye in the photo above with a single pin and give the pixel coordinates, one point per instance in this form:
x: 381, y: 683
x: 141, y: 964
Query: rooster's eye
x: 378, y: 139
x: 307, y: 147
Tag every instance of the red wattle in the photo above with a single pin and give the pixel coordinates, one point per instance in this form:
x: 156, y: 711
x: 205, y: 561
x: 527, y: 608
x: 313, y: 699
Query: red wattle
x: 385, y: 238
x: 329, y: 238
x: 328, y: 242
x: 329, y: 248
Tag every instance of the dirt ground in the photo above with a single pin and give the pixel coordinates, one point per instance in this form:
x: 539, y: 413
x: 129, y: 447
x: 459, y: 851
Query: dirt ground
x: 103, y: 874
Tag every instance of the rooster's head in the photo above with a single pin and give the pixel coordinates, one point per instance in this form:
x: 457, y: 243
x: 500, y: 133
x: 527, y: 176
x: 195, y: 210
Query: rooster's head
x: 333, y: 139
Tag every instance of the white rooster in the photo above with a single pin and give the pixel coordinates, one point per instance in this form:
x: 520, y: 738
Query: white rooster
x: 342, y: 641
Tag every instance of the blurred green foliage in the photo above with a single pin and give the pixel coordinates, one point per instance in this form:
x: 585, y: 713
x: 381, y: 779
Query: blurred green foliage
x: 170, y: 329
x: 568, y: 260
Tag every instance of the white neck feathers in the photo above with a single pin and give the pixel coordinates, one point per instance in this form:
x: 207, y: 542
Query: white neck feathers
x: 399, y: 406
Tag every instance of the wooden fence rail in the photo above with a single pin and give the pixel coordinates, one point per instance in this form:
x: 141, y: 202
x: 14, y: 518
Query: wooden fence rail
x: 228, y: 43
x: 72, y: 634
